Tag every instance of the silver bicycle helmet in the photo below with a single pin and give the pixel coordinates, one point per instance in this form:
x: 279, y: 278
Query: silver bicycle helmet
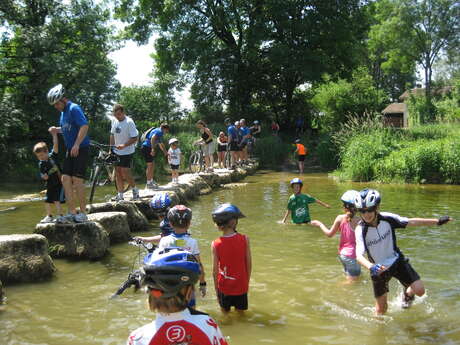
x: 367, y: 198
x: 55, y: 94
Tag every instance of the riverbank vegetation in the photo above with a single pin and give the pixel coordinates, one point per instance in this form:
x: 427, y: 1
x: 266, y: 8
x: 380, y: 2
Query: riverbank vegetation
x: 319, y: 62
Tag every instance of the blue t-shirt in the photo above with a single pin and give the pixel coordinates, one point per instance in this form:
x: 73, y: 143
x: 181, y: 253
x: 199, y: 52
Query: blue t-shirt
x: 72, y: 119
x: 244, y: 131
x: 159, y: 135
x: 232, y: 132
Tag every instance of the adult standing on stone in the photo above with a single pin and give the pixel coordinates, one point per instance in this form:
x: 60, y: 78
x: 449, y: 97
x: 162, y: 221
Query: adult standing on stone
x: 73, y: 125
x: 149, y: 148
x: 123, y: 136
x: 208, y: 144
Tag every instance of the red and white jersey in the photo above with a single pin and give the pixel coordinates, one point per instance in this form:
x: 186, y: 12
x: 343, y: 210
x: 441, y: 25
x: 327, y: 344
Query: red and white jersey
x: 188, y: 327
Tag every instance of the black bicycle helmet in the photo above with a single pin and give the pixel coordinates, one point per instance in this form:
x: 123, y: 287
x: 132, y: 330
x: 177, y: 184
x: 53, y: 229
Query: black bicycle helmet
x: 179, y: 215
x: 225, y: 212
x: 169, y: 270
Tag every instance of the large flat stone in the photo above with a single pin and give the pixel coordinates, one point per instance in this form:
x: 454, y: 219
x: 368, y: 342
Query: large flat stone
x: 115, y: 223
x: 86, y: 240
x: 136, y: 220
x: 24, y: 258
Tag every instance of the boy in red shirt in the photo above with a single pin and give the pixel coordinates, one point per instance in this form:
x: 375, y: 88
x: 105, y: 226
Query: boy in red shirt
x: 231, y: 260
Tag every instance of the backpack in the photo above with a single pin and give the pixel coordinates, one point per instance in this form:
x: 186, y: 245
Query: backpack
x: 145, y: 134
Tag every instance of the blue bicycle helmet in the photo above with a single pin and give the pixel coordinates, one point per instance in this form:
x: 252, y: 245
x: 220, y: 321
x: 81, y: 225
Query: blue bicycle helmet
x: 296, y: 181
x: 160, y: 201
x: 367, y: 198
x: 225, y: 212
x: 169, y: 270
x: 348, y: 198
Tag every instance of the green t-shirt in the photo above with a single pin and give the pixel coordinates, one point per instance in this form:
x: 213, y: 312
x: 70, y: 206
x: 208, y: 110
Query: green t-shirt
x: 298, y: 205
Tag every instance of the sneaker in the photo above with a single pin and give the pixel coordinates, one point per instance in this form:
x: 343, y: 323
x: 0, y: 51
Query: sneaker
x: 80, y: 218
x: 151, y: 185
x: 136, y: 194
x: 47, y: 219
x: 67, y: 219
x: 406, y: 300
x: 118, y: 198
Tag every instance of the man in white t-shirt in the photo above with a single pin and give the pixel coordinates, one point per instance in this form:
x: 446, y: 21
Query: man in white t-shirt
x: 123, y: 136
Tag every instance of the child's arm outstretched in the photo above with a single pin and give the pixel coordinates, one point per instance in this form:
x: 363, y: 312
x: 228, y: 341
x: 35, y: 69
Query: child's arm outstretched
x: 322, y: 203
x: 285, y: 216
x: 153, y: 239
x: 328, y: 232
x: 428, y: 221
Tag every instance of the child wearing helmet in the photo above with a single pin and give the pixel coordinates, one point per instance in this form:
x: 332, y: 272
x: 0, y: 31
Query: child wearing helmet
x: 174, y: 155
x: 160, y: 204
x: 301, y: 152
x: 298, y: 204
x: 169, y: 277
x: 180, y: 218
x: 231, y: 263
x: 376, y: 237
x: 346, y: 224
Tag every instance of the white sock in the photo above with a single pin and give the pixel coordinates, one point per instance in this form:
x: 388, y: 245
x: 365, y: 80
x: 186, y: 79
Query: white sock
x: 149, y: 181
x: 120, y: 195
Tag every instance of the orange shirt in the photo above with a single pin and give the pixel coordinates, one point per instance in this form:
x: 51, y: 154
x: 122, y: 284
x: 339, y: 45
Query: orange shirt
x: 301, y: 150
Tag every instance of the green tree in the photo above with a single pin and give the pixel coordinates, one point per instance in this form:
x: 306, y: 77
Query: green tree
x: 417, y: 31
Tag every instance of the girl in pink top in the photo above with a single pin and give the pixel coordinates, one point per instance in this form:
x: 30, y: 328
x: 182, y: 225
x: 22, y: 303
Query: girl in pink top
x: 346, y: 223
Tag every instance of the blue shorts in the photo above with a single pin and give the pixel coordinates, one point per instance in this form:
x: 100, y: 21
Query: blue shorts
x: 351, y: 267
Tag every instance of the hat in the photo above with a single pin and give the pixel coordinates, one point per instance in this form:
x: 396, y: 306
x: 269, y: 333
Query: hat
x: 173, y: 140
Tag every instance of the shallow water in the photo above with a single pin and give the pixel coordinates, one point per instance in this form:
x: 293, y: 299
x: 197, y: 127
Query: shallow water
x: 297, y: 292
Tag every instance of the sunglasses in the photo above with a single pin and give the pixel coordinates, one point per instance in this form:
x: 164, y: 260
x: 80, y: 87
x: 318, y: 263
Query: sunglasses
x: 367, y: 210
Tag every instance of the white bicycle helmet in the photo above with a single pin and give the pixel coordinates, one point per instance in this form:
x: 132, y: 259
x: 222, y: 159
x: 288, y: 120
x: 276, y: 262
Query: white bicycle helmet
x: 55, y: 94
x: 367, y: 198
x: 348, y: 198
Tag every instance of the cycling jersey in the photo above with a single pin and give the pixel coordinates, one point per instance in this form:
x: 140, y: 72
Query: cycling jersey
x: 231, y: 251
x: 380, y: 242
x: 72, y: 119
x: 298, y: 205
x: 180, y: 240
x: 232, y: 132
x: 188, y: 327
x: 158, y: 133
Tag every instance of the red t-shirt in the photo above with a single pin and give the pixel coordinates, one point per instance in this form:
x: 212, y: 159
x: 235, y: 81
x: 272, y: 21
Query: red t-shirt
x: 231, y: 251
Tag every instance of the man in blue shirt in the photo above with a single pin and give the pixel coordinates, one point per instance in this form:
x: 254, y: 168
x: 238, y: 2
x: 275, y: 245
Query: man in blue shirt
x: 149, y: 147
x: 74, y: 127
x: 233, y: 140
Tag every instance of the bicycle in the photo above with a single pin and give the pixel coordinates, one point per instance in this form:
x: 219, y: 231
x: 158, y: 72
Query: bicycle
x: 103, y: 170
x: 196, y: 161
x: 135, y: 276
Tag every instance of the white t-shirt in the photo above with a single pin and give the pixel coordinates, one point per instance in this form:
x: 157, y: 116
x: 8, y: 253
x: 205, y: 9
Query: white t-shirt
x: 174, y: 156
x: 379, y: 240
x: 122, y: 131
x: 180, y: 240
x: 184, y: 327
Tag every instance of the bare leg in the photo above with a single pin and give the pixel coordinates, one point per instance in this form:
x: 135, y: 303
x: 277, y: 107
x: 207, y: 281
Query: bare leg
x: 127, y: 176
x: 68, y: 189
x: 149, y: 171
x: 48, y: 209
x: 80, y: 190
x: 416, y: 288
x: 57, y: 204
x: 381, y: 305
x: 119, y: 179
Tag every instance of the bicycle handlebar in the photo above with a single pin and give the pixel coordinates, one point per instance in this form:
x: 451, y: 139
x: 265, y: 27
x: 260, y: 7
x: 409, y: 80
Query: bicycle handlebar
x: 133, y: 278
x: 99, y: 145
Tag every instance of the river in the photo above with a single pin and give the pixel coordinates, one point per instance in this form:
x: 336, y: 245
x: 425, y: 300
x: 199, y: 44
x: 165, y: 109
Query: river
x: 297, y: 291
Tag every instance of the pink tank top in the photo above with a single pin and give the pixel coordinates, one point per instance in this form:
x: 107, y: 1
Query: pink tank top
x: 347, y: 245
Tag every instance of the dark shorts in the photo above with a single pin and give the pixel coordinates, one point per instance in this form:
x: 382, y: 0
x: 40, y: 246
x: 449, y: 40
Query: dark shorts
x: 301, y: 158
x: 234, y: 146
x: 76, y: 166
x: 243, y: 144
x: 240, y: 302
x: 55, y: 193
x: 124, y: 161
x: 401, y: 270
x: 221, y: 148
x: 174, y: 166
x: 145, y: 150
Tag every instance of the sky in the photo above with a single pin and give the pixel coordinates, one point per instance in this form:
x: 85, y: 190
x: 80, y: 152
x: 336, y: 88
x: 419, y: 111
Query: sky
x: 135, y: 66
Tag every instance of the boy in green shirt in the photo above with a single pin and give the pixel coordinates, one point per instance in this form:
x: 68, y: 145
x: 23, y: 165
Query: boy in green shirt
x: 298, y: 204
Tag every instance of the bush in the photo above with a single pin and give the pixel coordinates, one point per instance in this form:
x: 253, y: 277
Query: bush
x: 272, y: 152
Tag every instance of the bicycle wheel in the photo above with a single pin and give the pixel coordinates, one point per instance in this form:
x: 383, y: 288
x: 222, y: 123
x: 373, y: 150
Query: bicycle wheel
x: 195, y: 162
x: 228, y: 160
x: 94, y: 183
